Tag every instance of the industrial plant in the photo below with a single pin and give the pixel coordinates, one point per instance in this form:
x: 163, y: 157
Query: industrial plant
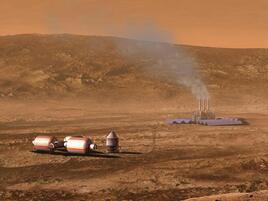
x: 204, y: 116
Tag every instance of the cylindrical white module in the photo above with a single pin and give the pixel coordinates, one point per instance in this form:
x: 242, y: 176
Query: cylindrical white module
x: 44, y: 143
x: 78, y: 145
x: 68, y: 137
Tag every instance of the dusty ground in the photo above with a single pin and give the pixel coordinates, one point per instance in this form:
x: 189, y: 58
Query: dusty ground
x: 158, y: 161
x: 68, y: 84
x: 260, y: 195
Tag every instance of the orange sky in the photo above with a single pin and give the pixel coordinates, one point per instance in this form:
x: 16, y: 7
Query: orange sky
x: 222, y: 23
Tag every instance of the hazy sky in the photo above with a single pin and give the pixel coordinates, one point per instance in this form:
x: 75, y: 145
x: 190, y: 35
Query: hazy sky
x: 224, y: 23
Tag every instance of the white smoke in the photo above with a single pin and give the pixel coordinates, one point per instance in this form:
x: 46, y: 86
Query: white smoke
x: 163, y: 59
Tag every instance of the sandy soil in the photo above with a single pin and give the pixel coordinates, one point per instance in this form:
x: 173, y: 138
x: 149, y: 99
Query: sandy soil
x: 82, y: 85
x: 260, y: 195
x: 157, y: 161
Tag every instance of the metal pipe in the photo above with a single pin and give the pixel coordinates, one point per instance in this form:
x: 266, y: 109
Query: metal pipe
x: 199, y: 104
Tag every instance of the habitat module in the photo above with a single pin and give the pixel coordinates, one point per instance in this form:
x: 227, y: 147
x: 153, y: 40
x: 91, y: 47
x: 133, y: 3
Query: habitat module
x: 206, y: 117
x: 74, y: 144
x: 71, y: 144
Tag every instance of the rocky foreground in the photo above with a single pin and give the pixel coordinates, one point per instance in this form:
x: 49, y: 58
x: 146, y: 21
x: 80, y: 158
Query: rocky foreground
x: 254, y: 196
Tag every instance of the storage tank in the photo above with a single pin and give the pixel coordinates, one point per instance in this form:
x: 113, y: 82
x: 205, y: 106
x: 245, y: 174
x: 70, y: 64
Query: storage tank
x: 44, y: 143
x: 112, y: 142
x: 79, y: 145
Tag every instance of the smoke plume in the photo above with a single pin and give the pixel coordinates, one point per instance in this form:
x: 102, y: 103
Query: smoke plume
x: 163, y: 59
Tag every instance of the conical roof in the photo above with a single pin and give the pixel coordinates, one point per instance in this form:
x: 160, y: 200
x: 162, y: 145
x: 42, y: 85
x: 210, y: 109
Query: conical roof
x: 112, y: 135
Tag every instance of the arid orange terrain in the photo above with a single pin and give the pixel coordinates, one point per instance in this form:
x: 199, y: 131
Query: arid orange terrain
x: 63, y: 85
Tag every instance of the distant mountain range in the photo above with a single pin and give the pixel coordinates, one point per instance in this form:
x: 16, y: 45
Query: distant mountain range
x: 35, y: 65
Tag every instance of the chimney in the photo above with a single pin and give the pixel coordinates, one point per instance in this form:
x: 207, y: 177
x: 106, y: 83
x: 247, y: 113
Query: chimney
x: 206, y: 104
